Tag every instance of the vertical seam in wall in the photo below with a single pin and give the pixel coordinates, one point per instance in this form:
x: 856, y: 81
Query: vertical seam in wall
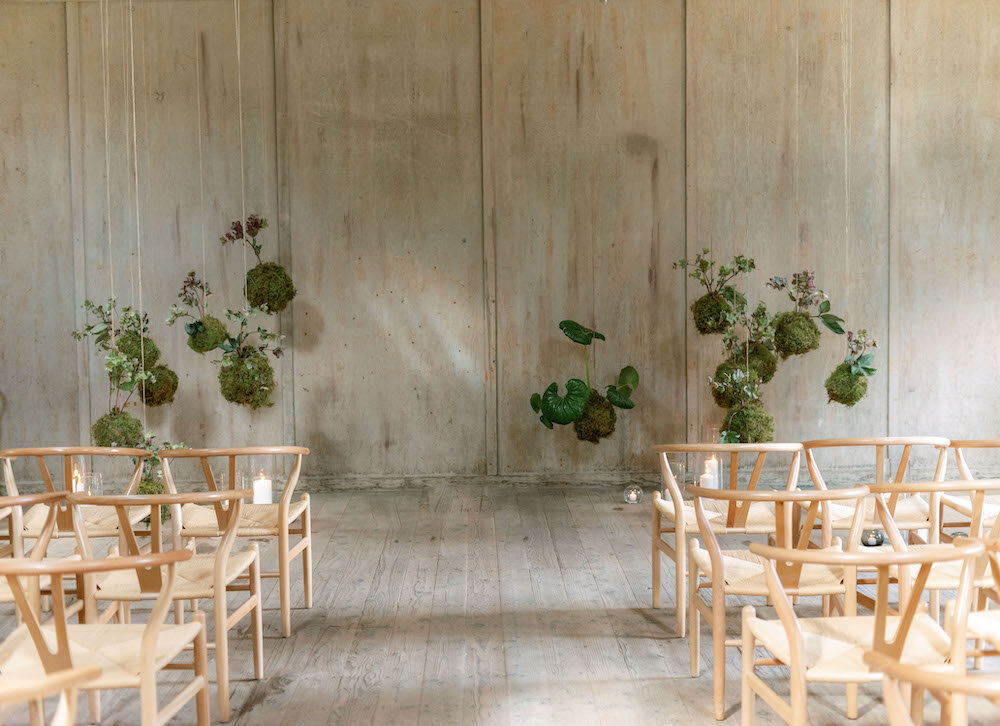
x: 889, y: 209
x: 684, y: 171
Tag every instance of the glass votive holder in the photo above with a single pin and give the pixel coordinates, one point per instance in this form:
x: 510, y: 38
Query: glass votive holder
x: 633, y: 494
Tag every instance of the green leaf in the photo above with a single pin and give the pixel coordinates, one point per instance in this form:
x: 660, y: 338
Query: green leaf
x: 578, y: 333
x: 831, y: 321
x: 629, y: 376
x: 548, y: 424
x: 565, y: 409
x: 869, y: 371
x: 824, y: 307
x: 866, y: 360
x: 536, y: 402
x: 620, y: 396
x: 729, y: 437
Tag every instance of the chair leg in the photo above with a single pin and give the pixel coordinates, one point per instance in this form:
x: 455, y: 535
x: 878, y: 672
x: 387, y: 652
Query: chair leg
x: 982, y: 603
x: 917, y: 706
x: 748, y: 699
x: 256, y: 615
x: 36, y: 712
x: 178, y: 612
x: 680, y: 577
x: 284, y: 585
x: 655, y: 529
x: 222, y: 654
x: 307, y: 558
x: 852, y: 700
x: 694, y: 626
x: 201, y: 669
x: 719, y: 650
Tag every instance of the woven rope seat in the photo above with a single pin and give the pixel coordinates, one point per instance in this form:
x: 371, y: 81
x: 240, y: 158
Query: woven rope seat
x: 835, y: 646
x: 760, y: 519
x: 7, y: 595
x: 985, y: 624
x: 115, y: 648
x: 963, y: 505
x: 255, y: 519
x: 195, y: 578
x: 100, y: 521
x: 744, y: 574
x: 911, y: 513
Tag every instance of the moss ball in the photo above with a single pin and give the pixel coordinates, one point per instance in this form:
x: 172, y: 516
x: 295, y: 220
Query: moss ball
x: 153, y: 486
x: 761, y: 360
x: 597, y: 420
x: 268, y: 284
x: 161, y: 388
x: 247, y: 381
x: 129, y: 345
x: 727, y: 399
x: 795, y: 333
x: 117, y: 428
x: 211, y: 334
x: 845, y: 387
x: 709, y: 313
x: 753, y: 424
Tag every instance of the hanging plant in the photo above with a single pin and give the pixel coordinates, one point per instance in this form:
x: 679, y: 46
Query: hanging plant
x: 746, y: 421
x: 795, y: 332
x: 245, y: 374
x: 129, y: 358
x: 710, y: 309
x: 152, y: 471
x: 848, y: 383
x: 268, y: 286
x: 205, y: 332
x: 593, y: 415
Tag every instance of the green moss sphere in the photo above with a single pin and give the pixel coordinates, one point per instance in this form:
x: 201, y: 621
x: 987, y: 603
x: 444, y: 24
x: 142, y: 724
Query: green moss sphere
x: 597, y: 420
x: 211, y: 335
x: 268, y: 284
x: 709, y: 313
x: 145, y: 350
x: 161, y: 388
x: 753, y: 424
x: 795, y: 333
x: 153, y: 486
x: 761, y: 360
x: 845, y: 387
x: 247, y: 381
x: 117, y: 429
x: 726, y: 399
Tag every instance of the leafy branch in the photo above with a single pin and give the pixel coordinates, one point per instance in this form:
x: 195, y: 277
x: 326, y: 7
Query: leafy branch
x: 242, y: 345
x: 703, y: 270
x: 125, y: 371
x: 194, y: 294
x: 858, y: 356
x: 254, y: 224
x: 803, y: 292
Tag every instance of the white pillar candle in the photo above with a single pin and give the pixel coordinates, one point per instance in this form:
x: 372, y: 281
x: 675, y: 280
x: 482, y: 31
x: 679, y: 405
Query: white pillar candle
x: 708, y: 479
x: 77, y: 481
x: 261, y: 490
x: 712, y: 465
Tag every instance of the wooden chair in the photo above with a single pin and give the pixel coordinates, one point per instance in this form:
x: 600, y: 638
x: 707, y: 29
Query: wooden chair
x: 99, y: 522
x: 960, y: 505
x: 256, y: 520
x: 739, y: 572
x: 950, y: 689
x: 130, y: 656
x: 831, y: 649
x: 725, y: 517
x: 64, y: 683
x: 203, y: 576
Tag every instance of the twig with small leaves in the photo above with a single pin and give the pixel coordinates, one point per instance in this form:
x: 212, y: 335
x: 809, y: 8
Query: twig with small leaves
x: 803, y: 292
x: 254, y: 224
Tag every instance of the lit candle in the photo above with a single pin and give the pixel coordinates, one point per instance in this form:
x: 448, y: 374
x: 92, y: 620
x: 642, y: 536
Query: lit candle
x: 261, y: 490
x: 77, y: 480
x: 709, y: 480
x: 713, y: 466
x: 633, y: 496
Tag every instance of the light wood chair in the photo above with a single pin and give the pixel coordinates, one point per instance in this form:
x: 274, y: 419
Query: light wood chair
x: 99, y: 522
x: 951, y: 690
x: 831, y: 649
x: 130, y: 656
x: 671, y: 514
x: 64, y: 683
x: 203, y: 576
x: 960, y: 505
x: 256, y: 520
x: 739, y: 572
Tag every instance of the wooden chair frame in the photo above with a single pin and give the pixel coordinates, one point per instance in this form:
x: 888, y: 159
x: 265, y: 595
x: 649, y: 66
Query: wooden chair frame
x: 286, y: 553
x: 736, y: 515
x: 794, y: 711
x: 65, y: 683
x: 788, y: 533
x: 222, y: 584
x: 59, y: 659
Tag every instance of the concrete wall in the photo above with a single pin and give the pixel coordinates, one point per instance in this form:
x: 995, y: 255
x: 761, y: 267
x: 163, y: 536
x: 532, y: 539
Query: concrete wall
x: 447, y: 179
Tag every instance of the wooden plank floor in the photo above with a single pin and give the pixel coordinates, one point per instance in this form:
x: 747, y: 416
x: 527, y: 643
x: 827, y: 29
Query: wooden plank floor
x: 465, y: 604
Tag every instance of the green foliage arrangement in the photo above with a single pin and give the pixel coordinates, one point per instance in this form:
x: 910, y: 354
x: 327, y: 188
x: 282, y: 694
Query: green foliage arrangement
x: 130, y: 358
x: 711, y: 309
x: 268, y: 285
x: 205, y: 332
x: 848, y: 383
x: 755, y: 342
x: 245, y: 374
x: 152, y: 470
x: 593, y: 415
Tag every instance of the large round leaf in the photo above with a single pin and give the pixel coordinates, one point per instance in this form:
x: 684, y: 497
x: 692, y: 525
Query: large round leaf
x: 565, y: 409
x: 629, y: 376
x: 578, y: 333
x: 536, y: 402
x: 620, y: 396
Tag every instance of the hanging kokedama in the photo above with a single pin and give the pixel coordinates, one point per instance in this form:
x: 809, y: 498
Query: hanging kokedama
x: 268, y: 286
x: 205, y: 332
x: 712, y: 310
x: 593, y: 416
x: 848, y: 383
x: 245, y: 374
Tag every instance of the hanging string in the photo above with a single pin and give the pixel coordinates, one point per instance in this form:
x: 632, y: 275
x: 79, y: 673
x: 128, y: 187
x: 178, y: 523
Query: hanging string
x: 107, y: 161
x: 239, y: 105
x: 201, y: 166
x: 135, y: 182
x: 126, y: 137
x: 848, y: 15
